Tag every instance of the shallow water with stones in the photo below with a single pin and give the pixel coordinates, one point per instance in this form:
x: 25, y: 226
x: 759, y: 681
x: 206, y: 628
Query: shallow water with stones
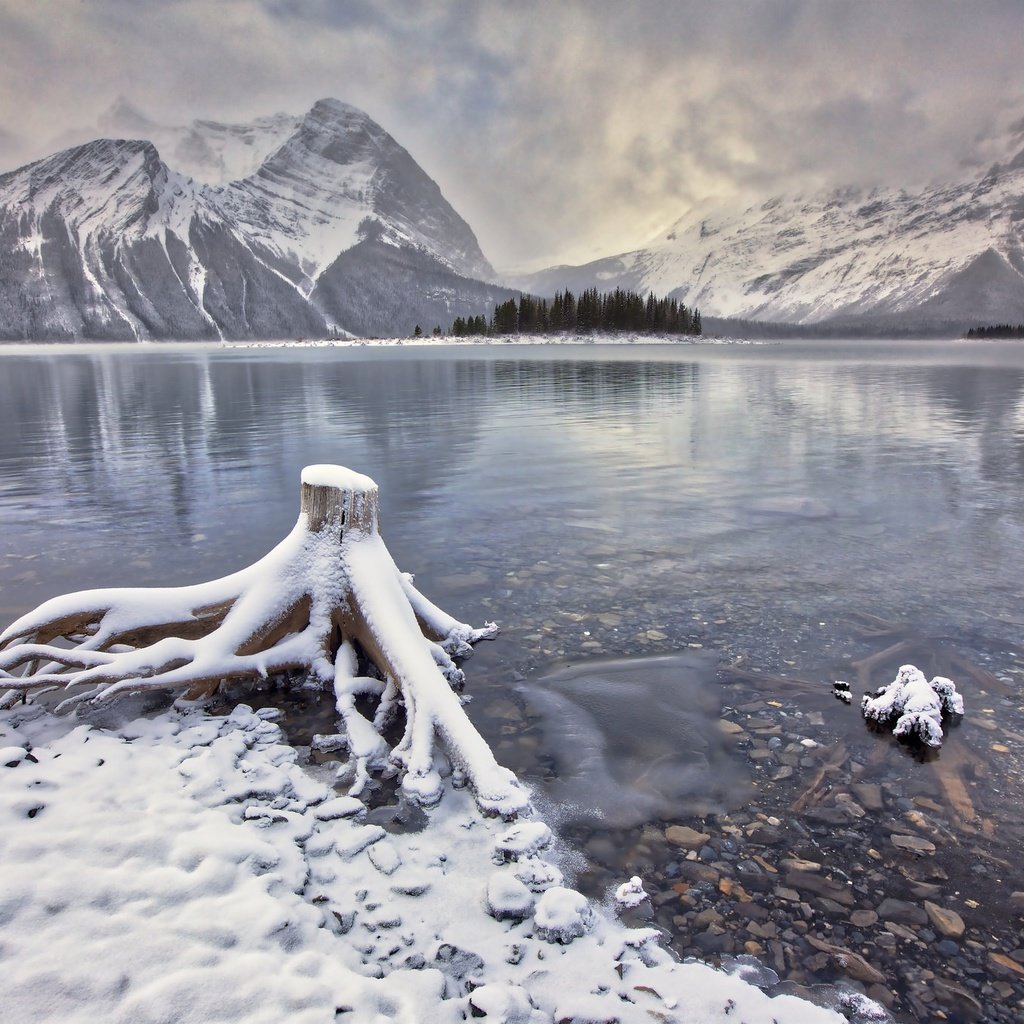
x: 772, y: 518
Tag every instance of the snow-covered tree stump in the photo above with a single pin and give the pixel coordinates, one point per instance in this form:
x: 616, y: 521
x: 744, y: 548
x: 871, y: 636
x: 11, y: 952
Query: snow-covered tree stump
x: 916, y: 705
x: 327, y: 600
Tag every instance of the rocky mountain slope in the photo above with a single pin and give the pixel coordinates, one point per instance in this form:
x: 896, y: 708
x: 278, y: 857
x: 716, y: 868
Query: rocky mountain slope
x: 943, y: 258
x: 287, y: 227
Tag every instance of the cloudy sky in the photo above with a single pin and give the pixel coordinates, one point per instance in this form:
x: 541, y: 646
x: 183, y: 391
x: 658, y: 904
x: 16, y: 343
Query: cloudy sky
x: 561, y: 131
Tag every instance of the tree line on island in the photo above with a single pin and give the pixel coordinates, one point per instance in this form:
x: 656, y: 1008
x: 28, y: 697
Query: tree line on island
x: 997, y: 331
x: 591, y: 311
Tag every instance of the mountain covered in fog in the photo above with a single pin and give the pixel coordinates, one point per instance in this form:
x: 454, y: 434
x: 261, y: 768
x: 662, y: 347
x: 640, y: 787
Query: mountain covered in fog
x: 940, y: 258
x: 285, y: 227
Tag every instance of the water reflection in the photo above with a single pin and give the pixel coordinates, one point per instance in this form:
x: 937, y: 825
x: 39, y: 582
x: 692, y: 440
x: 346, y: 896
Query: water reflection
x: 688, y: 476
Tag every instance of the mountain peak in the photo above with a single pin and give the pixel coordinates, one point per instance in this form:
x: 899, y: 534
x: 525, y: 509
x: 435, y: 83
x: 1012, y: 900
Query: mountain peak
x: 122, y: 117
x: 341, y: 128
x: 331, y: 107
x: 249, y: 229
x: 94, y: 160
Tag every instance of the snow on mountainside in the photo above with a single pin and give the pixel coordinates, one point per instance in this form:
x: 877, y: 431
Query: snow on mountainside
x: 944, y: 257
x: 209, y: 151
x: 285, y: 227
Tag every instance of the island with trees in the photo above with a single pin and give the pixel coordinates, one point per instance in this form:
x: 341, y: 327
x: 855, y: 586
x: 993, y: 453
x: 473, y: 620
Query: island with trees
x: 997, y: 331
x: 590, y: 312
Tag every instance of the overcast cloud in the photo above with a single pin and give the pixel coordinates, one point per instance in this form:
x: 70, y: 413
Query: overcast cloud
x: 560, y: 131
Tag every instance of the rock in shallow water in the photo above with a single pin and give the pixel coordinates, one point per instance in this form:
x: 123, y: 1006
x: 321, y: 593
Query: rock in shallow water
x: 635, y: 740
x: 686, y: 837
x: 946, y: 922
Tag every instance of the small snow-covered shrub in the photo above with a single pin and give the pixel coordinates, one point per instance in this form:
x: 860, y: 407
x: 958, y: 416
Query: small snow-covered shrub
x: 952, y: 702
x: 916, y: 705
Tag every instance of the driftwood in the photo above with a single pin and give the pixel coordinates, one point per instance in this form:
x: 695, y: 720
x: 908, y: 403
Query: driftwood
x: 328, y: 600
x: 912, y: 646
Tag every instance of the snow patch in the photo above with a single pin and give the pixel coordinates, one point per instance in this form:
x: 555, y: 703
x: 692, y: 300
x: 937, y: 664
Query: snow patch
x: 337, y: 476
x: 205, y: 880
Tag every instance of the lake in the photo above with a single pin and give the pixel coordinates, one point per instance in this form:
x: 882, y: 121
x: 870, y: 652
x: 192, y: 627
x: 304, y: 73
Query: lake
x: 698, y: 539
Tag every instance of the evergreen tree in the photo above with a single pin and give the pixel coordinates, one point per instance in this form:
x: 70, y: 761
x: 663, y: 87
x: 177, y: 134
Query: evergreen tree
x: 619, y: 310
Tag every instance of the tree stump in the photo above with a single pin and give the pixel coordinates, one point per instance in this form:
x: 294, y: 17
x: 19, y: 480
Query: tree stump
x: 328, y: 600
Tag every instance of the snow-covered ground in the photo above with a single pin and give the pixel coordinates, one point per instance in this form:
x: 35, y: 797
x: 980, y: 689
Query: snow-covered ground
x: 182, y: 866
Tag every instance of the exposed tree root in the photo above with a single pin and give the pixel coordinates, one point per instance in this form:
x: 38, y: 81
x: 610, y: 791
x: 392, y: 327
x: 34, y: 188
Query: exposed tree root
x: 328, y: 600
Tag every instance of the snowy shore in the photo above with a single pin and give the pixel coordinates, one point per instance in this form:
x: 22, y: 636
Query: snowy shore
x: 182, y: 866
x: 623, y: 338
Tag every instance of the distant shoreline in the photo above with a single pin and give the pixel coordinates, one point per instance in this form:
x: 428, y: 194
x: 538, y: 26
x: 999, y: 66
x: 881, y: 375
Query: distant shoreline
x: 623, y: 340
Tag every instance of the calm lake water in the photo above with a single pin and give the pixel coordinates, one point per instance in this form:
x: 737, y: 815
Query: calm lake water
x: 784, y: 485
x: 742, y: 504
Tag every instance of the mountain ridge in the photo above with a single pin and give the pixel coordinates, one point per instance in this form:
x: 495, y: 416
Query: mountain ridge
x: 106, y: 240
x: 944, y: 256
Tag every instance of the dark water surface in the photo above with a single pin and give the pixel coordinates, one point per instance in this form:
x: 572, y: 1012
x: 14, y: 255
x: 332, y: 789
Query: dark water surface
x: 772, y: 515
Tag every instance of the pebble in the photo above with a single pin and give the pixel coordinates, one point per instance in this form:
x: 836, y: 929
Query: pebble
x: 799, y: 864
x: 863, y: 918
x: 913, y: 843
x: 849, y: 962
x: 869, y: 796
x: 688, y: 838
x: 946, y: 922
x: 900, y: 910
x: 1007, y: 962
x: 818, y: 885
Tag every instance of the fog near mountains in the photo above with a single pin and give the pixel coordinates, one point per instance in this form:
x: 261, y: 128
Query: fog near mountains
x: 561, y: 132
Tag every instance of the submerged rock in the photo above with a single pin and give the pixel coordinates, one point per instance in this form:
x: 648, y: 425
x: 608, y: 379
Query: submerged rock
x: 946, y: 922
x: 686, y: 837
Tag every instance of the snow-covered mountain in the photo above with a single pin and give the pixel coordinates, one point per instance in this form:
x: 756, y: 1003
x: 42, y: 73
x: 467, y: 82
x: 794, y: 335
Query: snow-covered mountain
x: 943, y: 257
x: 285, y: 227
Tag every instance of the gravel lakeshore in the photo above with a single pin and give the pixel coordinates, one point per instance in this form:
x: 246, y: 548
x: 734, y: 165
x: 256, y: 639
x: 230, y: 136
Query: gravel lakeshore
x: 843, y: 862
x: 849, y: 862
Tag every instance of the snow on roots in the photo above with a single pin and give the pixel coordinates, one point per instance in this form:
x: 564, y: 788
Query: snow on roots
x: 914, y: 705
